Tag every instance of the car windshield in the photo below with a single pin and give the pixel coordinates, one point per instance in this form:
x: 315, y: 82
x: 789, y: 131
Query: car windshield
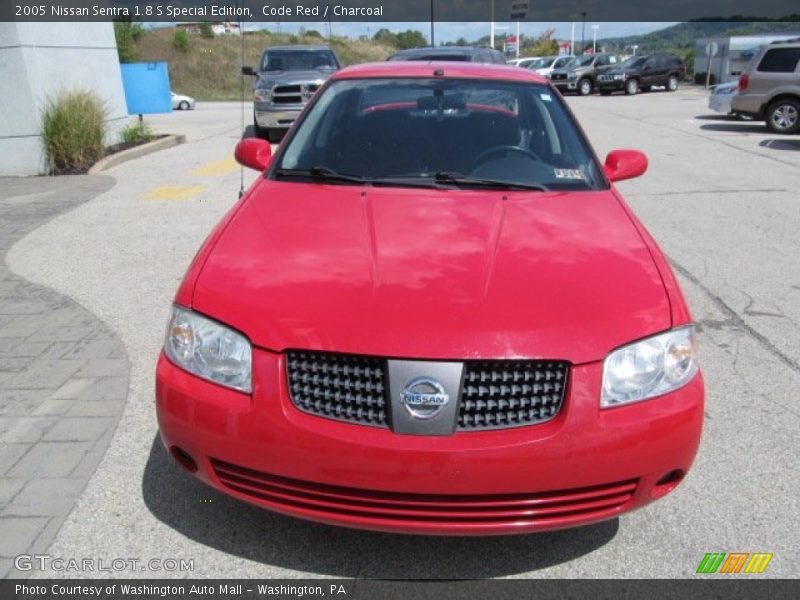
x: 635, y: 62
x: 581, y: 61
x: 298, y: 60
x: 542, y: 63
x: 437, y: 132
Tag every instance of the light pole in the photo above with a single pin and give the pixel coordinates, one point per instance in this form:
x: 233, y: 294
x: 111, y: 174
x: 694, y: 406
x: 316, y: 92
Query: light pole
x: 594, y: 38
x: 491, y: 34
x: 433, y: 43
x: 635, y: 46
x: 583, y: 32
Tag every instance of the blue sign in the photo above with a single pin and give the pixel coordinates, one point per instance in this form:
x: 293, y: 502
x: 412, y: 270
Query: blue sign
x: 147, y: 89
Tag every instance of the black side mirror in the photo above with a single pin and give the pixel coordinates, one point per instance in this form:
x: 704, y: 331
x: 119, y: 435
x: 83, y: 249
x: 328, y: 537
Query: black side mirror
x: 249, y: 71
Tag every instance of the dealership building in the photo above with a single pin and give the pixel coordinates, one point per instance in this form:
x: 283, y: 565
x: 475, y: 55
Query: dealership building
x: 37, y: 62
x: 730, y: 55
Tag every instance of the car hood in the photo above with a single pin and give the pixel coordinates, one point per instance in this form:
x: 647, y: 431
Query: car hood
x: 270, y: 78
x: 433, y: 273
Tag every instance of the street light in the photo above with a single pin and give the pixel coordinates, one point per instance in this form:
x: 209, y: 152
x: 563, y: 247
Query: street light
x: 583, y: 32
x: 594, y: 38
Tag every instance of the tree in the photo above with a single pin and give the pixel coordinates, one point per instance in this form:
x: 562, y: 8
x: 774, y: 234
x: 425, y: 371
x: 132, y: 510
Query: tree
x: 126, y: 33
x: 180, y: 40
x: 206, y: 31
x: 385, y: 36
x: 410, y: 39
x: 544, y: 45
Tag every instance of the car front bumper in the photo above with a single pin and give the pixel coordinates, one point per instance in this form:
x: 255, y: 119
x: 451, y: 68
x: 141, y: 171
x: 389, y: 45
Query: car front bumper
x: 583, y: 466
x: 271, y: 117
x: 566, y: 84
x: 613, y: 85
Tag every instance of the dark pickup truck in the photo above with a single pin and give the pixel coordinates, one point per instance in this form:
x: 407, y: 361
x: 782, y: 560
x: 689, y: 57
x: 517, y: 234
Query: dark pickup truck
x: 640, y: 73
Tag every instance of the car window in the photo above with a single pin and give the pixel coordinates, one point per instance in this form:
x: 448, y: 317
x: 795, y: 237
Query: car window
x: 298, y: 60
x: 582, y: 61
x: 612, y: 60
x: 780, y: 60
x: 415, y: 128
x: 634, y: 62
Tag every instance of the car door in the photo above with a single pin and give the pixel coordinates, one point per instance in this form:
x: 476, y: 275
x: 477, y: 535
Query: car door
x: 649, y: 72
x: 662, y: 70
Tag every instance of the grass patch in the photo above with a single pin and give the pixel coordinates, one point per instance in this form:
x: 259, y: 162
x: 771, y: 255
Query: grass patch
x: 73, y: 128
x: 136, y: 133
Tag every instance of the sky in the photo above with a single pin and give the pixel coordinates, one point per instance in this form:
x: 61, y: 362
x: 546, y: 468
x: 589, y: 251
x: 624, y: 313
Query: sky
x: 445, y: 32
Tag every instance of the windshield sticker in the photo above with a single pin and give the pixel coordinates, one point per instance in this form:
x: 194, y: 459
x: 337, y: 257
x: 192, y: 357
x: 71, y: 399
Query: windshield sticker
x: 569, y: 174
x: 546, y: 97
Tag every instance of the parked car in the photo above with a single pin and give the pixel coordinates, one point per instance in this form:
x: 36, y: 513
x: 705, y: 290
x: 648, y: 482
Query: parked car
x: 286, y: 79
x: 721, y: 98
x: 581, y: 73
x: 522, y: 62
x: 181, y: 102
x: 421, y: 318
x: 769, y: 88
x: 451, y: 53
x: 641, y: 73
x: 545, y: 65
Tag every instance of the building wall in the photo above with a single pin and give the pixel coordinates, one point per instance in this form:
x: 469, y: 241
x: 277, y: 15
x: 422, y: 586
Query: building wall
x: 37, y: 61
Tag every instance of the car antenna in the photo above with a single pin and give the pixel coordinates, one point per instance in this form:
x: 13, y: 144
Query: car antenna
x: 241, y: 75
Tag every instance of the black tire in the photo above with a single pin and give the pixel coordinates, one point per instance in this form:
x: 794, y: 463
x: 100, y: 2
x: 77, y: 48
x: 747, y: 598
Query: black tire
x: 275, y: 135
x: 184, y: 105
x: 585, y: 86
x: 605, y: 92
x: 632, y: 87
x: 783, y: 116
x: 672, y: 83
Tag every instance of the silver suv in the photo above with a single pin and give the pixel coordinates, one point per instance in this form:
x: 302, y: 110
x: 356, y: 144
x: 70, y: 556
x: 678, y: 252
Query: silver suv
x: 769, y: 88
x: 286, y: 79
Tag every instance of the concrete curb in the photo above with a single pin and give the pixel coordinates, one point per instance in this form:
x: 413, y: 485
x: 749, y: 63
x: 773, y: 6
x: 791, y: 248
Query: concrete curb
x: 137, y: 152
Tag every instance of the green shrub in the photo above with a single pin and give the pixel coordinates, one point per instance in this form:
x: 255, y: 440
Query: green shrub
x: 73, y: 127
x: 206, y: 31
x: 136, y: 133
x: 180, y: 40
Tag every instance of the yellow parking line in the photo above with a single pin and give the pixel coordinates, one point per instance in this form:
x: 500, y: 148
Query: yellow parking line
x: 216, y: 168
x: 176, y: 193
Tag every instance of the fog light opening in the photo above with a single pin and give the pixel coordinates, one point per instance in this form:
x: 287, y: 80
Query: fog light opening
x: 668, y: 483
x: 183, y: 459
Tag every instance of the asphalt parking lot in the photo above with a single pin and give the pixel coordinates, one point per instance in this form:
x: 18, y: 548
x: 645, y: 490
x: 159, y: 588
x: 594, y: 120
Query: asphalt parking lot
x: 720, y: 197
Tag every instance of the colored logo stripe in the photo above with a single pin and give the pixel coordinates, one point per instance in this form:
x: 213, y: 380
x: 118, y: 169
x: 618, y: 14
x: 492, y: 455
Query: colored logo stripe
x: 736, y: 562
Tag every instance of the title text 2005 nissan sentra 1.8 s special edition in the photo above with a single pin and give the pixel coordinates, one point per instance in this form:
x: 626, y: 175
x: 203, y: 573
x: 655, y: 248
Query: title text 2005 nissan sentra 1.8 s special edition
x: 433, y: 314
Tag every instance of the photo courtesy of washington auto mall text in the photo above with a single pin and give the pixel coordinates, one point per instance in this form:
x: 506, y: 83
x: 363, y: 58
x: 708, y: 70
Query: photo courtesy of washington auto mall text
x: 399, y: 299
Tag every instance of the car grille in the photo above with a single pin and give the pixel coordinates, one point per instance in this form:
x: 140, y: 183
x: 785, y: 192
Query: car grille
x: 510, y: 393
x: 381, y: 508
x: 293, y: 94
x: 495, y: 394
x: 338, y: 386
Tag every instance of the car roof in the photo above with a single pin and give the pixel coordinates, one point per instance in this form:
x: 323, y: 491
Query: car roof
x: 451, y: 70
x: 298, y: 47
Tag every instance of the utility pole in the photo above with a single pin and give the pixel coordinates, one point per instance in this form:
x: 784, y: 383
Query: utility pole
x: 583, y: 32
x: 519, y: 41
x: 491, y: 30
x: 594, y: 38
x: 572, y: 40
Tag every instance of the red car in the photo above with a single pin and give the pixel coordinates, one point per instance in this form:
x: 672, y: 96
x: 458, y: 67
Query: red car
x: 433, y: 314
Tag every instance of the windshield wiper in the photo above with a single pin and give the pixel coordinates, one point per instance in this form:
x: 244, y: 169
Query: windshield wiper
x: 322, y: 173
x: 465, y: 180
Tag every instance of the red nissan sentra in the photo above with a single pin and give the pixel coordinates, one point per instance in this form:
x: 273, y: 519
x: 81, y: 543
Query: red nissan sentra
x: 433, y: 314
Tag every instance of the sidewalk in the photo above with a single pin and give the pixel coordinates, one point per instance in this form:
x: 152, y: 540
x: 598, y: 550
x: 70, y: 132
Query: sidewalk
x: 63, y: 379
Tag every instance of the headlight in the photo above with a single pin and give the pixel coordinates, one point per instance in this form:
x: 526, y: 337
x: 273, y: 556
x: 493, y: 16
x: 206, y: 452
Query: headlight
x: 649, y: 368
x: 261, y: 95
x: 209, y: 350
x: 619, y: 77
x: 572, y: 75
